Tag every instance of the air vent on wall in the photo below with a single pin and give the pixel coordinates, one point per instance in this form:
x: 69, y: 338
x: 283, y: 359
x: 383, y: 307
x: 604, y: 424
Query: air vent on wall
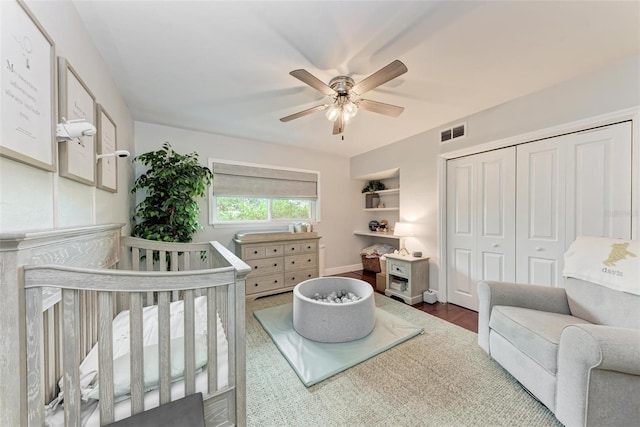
x: 452, y: 133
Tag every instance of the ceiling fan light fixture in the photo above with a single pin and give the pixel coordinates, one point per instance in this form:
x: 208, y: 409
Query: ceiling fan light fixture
x: 333, y: 112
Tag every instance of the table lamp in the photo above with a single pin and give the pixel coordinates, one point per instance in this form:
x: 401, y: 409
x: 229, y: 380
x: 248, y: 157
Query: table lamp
x: 402, y: 230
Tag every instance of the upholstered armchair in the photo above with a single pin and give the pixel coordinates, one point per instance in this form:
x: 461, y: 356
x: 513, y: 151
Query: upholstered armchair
x: 576, y: 349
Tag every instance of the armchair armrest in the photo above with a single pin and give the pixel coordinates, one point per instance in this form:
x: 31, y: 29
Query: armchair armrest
x: 598, y: 375
x: 543, y: 298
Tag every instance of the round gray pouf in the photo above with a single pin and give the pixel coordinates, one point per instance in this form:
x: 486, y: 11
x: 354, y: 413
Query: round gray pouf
x: 332, y: 323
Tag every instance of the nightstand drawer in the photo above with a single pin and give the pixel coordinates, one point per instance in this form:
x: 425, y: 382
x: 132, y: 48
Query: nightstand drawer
x: 260, y: 267
x: 264, y: 283
x: 300, y: 262
x: 398, y: 268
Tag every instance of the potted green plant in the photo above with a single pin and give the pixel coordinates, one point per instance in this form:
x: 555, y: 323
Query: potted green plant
x: 172, y: 183
x: 372, y: 199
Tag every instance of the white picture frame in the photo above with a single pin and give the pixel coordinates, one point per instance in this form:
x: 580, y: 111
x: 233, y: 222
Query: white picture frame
x: 76, y: 101
x: 28, y: 96
x: 107, y: 167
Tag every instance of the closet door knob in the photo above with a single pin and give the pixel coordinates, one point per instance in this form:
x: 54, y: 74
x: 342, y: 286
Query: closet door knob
x: 539, y: 248
x: 495, y: 245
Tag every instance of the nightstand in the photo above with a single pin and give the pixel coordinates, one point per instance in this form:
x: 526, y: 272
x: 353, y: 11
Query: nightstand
x: 407, y: 277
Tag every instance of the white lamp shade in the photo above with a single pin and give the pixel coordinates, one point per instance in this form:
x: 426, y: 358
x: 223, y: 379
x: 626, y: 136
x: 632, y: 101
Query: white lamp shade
x: 403, y: 229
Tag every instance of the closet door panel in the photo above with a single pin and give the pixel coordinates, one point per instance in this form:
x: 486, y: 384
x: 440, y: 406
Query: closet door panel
x: 480, y: 223
x: 461, y: 231
x: 540, y: 212
x: 599, y: 183
x: 496, y: 215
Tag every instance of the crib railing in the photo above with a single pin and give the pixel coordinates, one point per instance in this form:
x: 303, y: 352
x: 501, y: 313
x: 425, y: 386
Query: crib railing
x: 61, y: 332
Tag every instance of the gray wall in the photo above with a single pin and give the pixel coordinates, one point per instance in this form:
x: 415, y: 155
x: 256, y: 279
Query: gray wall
x: 31, y: 198
x: 612, y: 88
x: 336, y: 189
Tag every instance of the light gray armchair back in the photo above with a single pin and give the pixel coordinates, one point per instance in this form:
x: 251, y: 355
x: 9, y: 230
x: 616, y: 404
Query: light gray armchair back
x: 602, y: 306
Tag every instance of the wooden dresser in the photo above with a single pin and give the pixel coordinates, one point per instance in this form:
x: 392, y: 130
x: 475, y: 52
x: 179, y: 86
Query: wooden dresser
x: 279, y: 261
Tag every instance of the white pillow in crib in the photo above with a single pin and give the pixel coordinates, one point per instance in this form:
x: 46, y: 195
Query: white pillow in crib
x: 121, y: 348
x: 122, y: 367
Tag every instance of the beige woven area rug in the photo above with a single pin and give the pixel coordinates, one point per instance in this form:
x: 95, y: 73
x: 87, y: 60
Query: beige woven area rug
x: 439, y: 378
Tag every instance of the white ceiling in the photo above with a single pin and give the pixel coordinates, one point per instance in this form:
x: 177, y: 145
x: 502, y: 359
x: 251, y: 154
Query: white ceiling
x: 223, y: 66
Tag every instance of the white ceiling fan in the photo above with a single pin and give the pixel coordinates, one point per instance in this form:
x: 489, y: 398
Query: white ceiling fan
x: 346, y: 95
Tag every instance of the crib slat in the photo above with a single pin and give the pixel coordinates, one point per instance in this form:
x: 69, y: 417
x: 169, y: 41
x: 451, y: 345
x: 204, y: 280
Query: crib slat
x: 35, y: 376
x: 137, y: 354
x: 163, y: 260
x: 71, y: 361
x: 105, y: 356
x: 135, y: 259
x: 164, y: 347
x: 212, y: 341
x: 49, y: 354
x: 149, y: 260
x: 174, y: 260
x: 189, y: 344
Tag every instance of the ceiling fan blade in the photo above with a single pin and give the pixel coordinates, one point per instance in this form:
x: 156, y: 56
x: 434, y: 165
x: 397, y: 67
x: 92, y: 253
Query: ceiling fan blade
x: 308, y: 78
x: 380, y: 107
x: 338, y: 126
x: 303, y: 113
x: 383, y: 75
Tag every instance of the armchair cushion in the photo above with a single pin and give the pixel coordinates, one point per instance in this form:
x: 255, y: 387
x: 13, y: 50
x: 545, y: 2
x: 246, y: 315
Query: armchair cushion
x: 535, y: 333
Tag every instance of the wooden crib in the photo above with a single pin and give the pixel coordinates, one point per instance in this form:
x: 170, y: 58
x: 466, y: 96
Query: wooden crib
x: 69, y: 306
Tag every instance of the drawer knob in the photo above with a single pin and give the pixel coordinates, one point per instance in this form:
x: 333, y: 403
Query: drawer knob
x: 256, y: 285
x: 309, y: 260
x: 275, y: 250
x: 293, y: 278
x: 308, y: 275
x: 275, y: 281
x: 275, y: 264
x: 256, y: 267
x: 293, y: 249
x: 255, y: 252
x: 293, y: 262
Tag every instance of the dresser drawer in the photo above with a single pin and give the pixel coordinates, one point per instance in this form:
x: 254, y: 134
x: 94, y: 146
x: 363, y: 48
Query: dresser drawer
x: 398, y: 268
x: 300, y: 262
x: 260, y: 267
x: 306, y: 247
x: 261, y: 251
x: 292, y: 278
x: 292, y: 248
x: 264, y: 283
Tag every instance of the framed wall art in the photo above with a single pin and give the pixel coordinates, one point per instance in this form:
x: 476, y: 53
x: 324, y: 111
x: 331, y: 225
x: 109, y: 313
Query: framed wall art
x: 76, y: 101
x: 107, y: 143
x: 28, y: 96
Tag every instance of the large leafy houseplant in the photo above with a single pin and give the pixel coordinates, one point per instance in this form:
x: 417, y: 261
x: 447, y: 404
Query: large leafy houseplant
x: 173, y: 183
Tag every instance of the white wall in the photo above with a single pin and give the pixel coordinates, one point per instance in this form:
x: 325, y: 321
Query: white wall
x: 31, y: 198
x: 336, y: 189
x: 611, y: 88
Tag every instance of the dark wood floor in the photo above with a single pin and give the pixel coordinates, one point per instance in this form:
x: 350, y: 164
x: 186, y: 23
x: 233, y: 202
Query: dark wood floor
x: 455, y: 314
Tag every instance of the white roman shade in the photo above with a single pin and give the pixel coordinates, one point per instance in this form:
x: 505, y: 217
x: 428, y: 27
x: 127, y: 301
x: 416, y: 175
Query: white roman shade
x: 251, y: 181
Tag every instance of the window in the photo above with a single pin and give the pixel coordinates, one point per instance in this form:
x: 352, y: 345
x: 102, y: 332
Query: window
x: 256, y: 194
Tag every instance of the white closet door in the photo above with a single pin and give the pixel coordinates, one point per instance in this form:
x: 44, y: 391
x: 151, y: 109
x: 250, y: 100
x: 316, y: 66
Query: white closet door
x: 599, y: 183
x: 541, y: 212
x: 461, y: 232
x: 568, y: 186
x: 480, y: 223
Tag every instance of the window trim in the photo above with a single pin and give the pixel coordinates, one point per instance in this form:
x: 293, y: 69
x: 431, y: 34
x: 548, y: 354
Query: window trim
x: 211, y: 202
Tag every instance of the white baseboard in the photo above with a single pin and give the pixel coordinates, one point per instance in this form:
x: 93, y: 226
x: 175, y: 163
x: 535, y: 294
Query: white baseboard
x: 342, y: 269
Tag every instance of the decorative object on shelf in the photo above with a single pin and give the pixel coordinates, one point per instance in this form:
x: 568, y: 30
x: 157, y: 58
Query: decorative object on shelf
x: 371, y: 200
x: 403, y: 229
x: 373, y: 225
x: 173, y: 183
x: 416, y: 254
x: 381, y: 205
x: 383, y: 225
x: 373, y: 186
